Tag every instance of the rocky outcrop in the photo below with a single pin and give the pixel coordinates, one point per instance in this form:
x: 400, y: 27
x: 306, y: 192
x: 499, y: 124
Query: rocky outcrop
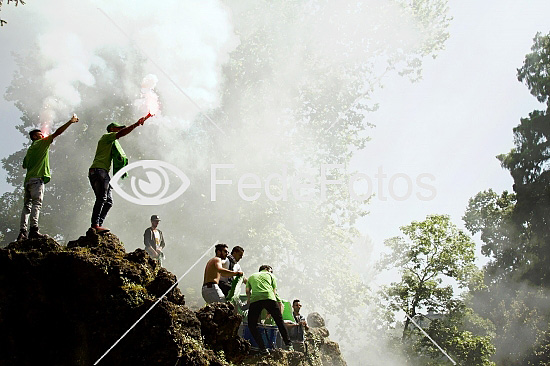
x: 70, y: 305
x: 219, y: 326
x: 327, y: 351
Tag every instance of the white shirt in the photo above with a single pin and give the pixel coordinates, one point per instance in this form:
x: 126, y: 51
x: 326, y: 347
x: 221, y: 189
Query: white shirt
x: 225, y: 264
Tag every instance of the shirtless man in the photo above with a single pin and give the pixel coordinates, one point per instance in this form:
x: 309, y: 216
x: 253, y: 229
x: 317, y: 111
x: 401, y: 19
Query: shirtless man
x: 212, y: 273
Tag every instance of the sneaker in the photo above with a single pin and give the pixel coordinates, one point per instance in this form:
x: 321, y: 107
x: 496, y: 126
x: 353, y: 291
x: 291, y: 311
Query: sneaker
x: 288, y: 347
x: 35, y: 234
x: 264, y: 352
x: 100, y: 229
x: 22, y: 235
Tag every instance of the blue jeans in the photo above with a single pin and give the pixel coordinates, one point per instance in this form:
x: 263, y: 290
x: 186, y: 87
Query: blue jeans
x: 34, y: 193
x: 99, y: 179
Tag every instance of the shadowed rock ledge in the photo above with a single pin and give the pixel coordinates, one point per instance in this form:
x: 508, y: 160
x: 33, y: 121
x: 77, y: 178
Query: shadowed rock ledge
x: 69, y: 305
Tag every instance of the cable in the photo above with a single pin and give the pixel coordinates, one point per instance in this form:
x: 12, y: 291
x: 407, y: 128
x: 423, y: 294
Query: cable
x: 155, y: 304
x: 426, y: 334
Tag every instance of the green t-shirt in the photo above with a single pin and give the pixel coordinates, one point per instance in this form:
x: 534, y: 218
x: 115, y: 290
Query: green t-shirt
x: 103, y: 152
x: 262, y: 285
x: 37, y: 160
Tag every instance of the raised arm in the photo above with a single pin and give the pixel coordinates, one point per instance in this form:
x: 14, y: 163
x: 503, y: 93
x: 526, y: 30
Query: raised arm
x: 62, y: 129
x: 130, y: 128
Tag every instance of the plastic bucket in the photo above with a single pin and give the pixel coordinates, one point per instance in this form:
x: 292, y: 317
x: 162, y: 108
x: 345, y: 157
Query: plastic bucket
x: 268, y: 333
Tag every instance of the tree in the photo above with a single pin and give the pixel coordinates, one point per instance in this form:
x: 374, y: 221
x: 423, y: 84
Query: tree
x: 435, y: 250
x: 535, y: 72
x: 514, y: 230
x: 436, y: 256
x: 491, y: 215
x: 463, y: 334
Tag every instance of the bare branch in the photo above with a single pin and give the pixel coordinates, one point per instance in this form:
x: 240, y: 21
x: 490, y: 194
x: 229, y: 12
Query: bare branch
x: 2, y: 21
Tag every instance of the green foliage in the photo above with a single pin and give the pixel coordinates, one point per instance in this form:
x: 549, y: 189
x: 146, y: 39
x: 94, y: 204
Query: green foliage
x: 514, y: 231
x: 535, y: 72
x: 436, y: 252
x: 466, y: 347
x: 491, y: 215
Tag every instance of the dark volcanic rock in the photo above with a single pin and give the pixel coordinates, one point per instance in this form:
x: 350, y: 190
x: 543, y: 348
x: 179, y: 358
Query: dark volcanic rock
x: 327, y: 351
x: 68, y: 306
x: 219, y: 326
x: 315, y: 320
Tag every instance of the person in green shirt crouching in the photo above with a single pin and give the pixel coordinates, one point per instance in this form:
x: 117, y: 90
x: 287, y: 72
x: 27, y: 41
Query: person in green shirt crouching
x: 108, y: 149
x: 261, y: 292
x: 37, y: 163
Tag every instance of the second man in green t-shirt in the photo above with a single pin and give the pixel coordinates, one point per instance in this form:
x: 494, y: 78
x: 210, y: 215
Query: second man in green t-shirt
x: 107, y: 148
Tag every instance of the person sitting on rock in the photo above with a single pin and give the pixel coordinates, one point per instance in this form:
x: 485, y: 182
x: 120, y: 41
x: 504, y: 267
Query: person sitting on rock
x: 154, y: 240
x: 211, y: 292
x: 261, y: 291
x: 37, y: 163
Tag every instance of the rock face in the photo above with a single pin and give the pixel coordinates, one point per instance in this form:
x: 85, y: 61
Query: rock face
x: 219, y: 326
x: 327, y: 351
x: 69, y: 305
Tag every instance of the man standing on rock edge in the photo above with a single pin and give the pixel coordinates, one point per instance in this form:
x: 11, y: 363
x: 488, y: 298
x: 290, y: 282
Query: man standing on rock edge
x: 154, y: 240
x: 37, y: 163
x: 211, y: 292
x: 261, y: 290
x: 108, y: 149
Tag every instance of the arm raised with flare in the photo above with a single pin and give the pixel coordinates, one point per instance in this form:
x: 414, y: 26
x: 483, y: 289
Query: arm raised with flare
x: 127, y: 130
x: 62, y: 129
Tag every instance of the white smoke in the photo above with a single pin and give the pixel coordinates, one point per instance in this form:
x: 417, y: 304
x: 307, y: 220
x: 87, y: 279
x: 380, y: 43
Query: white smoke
x: 189, y: 41
x: 149, y: 101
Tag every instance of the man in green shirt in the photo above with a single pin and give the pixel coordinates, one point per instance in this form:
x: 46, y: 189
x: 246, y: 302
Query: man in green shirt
x: 261, y: 290
x: 37, y: 163
x: 108, y: 149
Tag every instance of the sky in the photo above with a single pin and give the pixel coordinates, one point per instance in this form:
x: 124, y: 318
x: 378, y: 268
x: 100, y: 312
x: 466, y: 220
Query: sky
x: 453, y: 122
x: 447, y: 127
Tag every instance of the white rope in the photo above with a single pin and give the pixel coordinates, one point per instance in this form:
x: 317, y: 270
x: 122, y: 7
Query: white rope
x: 426, y: 334
x: 155, y: 304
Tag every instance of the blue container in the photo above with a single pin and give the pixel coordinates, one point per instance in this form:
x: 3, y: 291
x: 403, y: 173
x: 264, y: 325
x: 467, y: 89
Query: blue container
x: 268, y: 332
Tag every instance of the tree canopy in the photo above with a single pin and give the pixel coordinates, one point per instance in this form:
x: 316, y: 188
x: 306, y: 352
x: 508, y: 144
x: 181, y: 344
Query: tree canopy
x: 435, y: 258
x: 514, y: 231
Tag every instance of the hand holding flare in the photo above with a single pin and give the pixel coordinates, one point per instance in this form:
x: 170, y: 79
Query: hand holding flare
x: 143, y: 119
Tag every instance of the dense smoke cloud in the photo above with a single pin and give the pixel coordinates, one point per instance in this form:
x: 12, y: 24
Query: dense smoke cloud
x: 188, y: 40
x: 325, y: 55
